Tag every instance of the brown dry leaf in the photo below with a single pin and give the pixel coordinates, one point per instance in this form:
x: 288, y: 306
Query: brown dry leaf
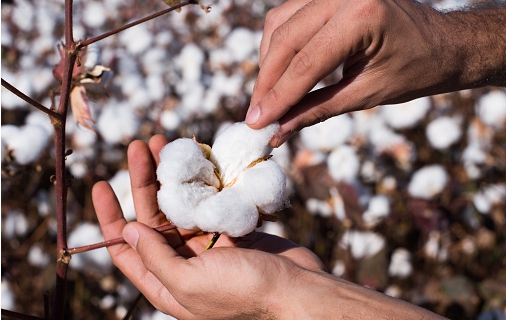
x: 81, y: 108
x: 172, y: 3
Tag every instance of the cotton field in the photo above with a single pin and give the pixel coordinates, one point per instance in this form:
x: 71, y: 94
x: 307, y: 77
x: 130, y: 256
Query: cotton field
x: 406, y: 199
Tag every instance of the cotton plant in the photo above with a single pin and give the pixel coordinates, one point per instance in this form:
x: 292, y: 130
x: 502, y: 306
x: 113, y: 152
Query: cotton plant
x: 225, y: 189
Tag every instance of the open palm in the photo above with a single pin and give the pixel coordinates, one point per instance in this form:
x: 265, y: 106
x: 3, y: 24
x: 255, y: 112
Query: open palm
x: 172, y: 270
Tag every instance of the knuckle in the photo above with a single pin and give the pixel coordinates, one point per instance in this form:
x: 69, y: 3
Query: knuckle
x: 302, y: 63
x: 273, y: 17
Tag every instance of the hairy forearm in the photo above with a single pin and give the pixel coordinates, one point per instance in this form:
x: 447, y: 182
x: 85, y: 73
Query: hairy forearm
x: 478, y: 40
x: 318, y: 295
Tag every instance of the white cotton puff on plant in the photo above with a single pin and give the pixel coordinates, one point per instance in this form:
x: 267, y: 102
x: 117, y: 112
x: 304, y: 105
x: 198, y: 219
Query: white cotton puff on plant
x: 362, y: 244
x: 343, y: 164
x: 94, y: 260
x: 443, y: 132
x: 329, y: 134
x: 491, y: 108
x: 25, y: 143
x: 400, y: 263
x: 224, y: 188
x: 378, y: 209
x: 490, y: 196
x: 405, y: 115
x: 427, y: 182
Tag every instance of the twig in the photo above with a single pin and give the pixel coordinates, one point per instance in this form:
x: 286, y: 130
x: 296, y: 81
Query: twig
x: 6, y: 314
x: 30, y: 101
x: 131, y: 310
x: 112, y: 242
x: 213, y: 240
x: 89, y: 41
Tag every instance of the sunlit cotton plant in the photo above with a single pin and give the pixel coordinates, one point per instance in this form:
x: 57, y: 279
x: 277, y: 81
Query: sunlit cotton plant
x: 227, y: 189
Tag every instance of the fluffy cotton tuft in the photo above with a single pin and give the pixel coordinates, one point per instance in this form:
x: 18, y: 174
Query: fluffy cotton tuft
x: 96, y: 260
x: 343, y: 164
x: 329, y: 134
x: 26, y: 143
x: 222, y: 189
x: 239, y: 145
x: 443, y: 132
x: 406, y: 115
x: 379, y: 208
x: 400, y: 263
x: 428, y: 182
x: 362, y: 244
x: 491, y: 108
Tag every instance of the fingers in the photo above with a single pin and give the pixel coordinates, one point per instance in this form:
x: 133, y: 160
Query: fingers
x: 144, y: 184
x: 315, y: 41
x: 163, y: 263
x: 275, y: 18
x: 156, y: 143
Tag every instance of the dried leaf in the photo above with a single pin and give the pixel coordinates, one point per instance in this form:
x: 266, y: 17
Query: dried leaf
x: 80, y: 107
x: 172, y: 3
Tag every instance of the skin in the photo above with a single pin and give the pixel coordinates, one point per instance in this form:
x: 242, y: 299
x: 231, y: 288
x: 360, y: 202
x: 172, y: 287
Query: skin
x: 258, y: 276
x: 391, y: 52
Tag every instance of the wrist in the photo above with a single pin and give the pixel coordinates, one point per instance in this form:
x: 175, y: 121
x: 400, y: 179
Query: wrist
x: 477, y: 40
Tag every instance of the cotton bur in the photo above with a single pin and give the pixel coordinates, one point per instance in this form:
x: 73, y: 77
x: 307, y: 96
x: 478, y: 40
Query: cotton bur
x: 225, y: 189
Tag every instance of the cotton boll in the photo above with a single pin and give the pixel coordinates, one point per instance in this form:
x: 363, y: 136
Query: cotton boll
x: 190, y: 62
x: 317, y: 206
x: 230, y: 212
x: 264, y: 184
x: 241, y: 43
x: 491, y: 108
x: 41, y: 119
x: 274, y: 228
x: 178, y: 202
x: 170, y: 120
x: 120, y: 184
x: 362, y: 244
x: 443, y: 132
x: 343, y: 164
x: 94, y: 14
x: 136, y: 39
x: 14, y: 224
x: 472, y: 157
x: 379, y: 208
x: 400, y: 263
x: 8, y: 297
x: 37, y: 257
x: 27, y: 144
x: 428, y: 182
x: 117, y: 123
x: 238, y: 146
x: 94, y: 260
x: 182, y: 161
x: 405, y: 115
x: 490, y: 196
x: 329, y: 134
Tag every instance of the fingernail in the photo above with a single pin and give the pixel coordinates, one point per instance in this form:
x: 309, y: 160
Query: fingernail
x: 283, y: 138
x: 253, y: 115
x: 131, y: 236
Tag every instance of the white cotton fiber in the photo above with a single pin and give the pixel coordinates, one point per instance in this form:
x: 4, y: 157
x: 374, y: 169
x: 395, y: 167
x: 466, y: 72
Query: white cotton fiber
x: 428, y: 182
x: 185, y: 163
x: 379, y: 208
x: 239, y: 145
x: 229, y: 212
x: 195, y: 193
x: 267, y: 195
x: 400, y: 263
x: 343, y: 164
x: 329, y: 134
x: 362, y: 244
x: 26, y: 142
x: 405, y: 115
x: 94, y: 260
x: 443, y: 132
x: 491, y: 108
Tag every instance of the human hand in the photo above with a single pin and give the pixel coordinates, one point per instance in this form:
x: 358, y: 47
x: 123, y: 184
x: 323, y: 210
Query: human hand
x: 247, y: 276
x: 391, y: 52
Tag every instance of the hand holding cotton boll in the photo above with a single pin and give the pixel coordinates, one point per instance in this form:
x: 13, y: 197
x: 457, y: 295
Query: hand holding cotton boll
x: 224, y: 189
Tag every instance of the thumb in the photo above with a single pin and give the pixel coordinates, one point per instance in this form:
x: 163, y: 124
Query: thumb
x: 156, y: 254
